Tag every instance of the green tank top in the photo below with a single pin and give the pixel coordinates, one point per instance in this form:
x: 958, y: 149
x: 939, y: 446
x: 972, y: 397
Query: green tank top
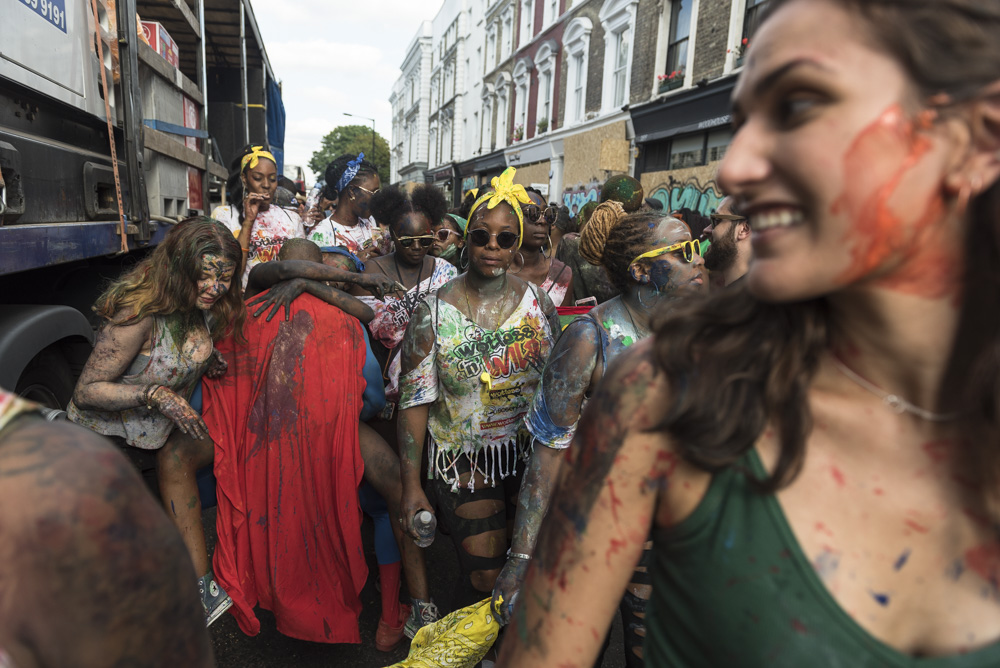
x: 732, y: 587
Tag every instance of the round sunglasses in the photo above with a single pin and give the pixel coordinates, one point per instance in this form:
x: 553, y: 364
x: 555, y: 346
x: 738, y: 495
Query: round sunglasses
x: 532, y: 212
x: 480, y: 237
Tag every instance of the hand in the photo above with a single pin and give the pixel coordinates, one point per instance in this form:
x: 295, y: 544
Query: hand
x: 251, y: 206
x: 380, y: 285
x: 507, y: 586
x: 314, y: 216
x: 412, y: 502
x: 217, y: 366
x: 280, y: 294
x: 170, y: 404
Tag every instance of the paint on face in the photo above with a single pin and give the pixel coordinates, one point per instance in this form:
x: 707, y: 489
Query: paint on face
x: 491, y: 260
x: 448, y: 249
x: 671, y: 272
x: 216, y: 277
x: 362, y: 200
x: 926, y: 264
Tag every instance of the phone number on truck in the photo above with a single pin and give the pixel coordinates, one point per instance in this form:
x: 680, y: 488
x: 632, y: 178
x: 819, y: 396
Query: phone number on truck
x: 53, y: 11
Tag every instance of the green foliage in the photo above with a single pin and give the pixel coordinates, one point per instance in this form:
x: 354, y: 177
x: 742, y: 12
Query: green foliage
x: 352, y: 139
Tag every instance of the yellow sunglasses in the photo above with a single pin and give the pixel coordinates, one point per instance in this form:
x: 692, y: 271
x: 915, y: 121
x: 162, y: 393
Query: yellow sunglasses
x: 689, y: 248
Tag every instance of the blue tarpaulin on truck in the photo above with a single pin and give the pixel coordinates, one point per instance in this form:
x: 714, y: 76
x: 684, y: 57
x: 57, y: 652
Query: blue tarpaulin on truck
x: 276, y: 123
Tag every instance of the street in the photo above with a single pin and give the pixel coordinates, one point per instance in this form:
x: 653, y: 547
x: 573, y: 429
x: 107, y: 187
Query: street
x: 270, y: 649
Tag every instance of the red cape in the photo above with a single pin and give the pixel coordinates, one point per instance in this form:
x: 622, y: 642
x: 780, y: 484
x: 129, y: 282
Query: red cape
x: 284, y: 418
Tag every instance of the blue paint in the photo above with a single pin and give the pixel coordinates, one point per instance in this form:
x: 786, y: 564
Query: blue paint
x: 172, y: 509
x: 881, y: 599
x: 956, y: 569
x: 902, y: 559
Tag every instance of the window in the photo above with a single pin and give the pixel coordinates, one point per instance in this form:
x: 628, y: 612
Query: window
x: 487, y: 134
x: 432, y: 140
x: 477, y: 137
x: 502, y: 86
x: 521, y: 79
x: 618, y: 21
x: 688, y: 151
x: 754, y: 13
x: 718, y: 142
x: 679, y: 36
x: 527, y: 19
x: 507, y: 36
x: 491, y: 48
x: 545, y: 62
x: 622, y: 42
x: 551, y: 12
x: 576, y: 41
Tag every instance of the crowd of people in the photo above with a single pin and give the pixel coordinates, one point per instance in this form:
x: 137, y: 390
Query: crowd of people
x: 762, y: 436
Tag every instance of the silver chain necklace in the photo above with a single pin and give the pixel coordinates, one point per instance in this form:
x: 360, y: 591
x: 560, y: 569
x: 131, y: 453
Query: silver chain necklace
x: 894, y: 402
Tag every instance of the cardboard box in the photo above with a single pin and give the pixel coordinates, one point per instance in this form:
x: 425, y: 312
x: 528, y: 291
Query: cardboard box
x: 191, y: 120
x: 161, y: 41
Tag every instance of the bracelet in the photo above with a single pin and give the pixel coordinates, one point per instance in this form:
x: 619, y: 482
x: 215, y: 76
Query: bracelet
x: 147, y: 394
x: 518, y: 555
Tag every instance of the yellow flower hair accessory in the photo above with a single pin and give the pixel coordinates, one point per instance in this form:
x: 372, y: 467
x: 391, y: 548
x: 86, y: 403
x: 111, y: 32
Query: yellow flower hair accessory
x: 256, y: 153
x: 505, y: 190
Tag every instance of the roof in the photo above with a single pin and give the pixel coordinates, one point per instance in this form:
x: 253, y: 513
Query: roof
x: 222, y: 24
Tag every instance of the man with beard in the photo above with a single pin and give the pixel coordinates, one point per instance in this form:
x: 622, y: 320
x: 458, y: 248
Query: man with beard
x: 729, y: 254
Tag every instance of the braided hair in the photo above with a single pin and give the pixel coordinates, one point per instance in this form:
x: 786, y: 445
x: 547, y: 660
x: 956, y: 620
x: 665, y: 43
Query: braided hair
x: 613, y: 239
x: 336, y: 169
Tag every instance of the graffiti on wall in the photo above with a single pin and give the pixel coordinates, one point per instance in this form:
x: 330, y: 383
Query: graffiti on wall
x: 690, y: 194
x: 575, y: 199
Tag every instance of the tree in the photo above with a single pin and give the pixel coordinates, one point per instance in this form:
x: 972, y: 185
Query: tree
x: 352, y: 139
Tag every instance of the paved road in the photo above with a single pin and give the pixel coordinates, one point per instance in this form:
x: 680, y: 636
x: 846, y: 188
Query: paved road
x: 270, y: 649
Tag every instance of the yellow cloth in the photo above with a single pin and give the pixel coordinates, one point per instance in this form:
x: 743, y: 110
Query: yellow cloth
x: 505, y: 190
x: 459, y: 640
x: 256, y: 153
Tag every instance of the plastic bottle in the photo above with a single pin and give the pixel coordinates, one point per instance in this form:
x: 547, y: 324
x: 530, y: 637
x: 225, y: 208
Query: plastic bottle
x: 425, y: 524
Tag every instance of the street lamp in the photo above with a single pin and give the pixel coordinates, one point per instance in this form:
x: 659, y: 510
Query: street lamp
x: 373, y: 131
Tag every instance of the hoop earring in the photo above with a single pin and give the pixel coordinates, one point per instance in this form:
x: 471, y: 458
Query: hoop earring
x: 519, y: 268
x: 548, y: 247
x: 463, y: 257
x: 642, y: 303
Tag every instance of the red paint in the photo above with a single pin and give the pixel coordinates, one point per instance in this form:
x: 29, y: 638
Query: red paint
x: 984, y: 561
x: 878, y: 491
x: 615, y: 501
x: 615, y: 547
x: 799, y: 627
x: 929, y: 258
x: 822, y: 528
x: 939, y: 451
x: 774, y: 570
x: 838, y: 476
x: 919, y: 528
x: 785, y: 554
x: 667, y: 461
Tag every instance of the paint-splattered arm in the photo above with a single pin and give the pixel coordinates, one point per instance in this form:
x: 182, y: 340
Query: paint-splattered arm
x: 266, y: 274
x: 418, y: 389
x: 117, y: 345
x: 549, y: 309
x: 281, y: 295
x: 92, y: 571
x: 556, y: 408
x: 598, y: 521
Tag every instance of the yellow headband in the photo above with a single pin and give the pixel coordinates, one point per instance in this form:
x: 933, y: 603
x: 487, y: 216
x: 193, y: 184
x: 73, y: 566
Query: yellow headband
x: 505, y: 190
x: 256, y: 153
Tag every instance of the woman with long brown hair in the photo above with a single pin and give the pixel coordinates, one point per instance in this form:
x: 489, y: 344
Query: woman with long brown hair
x: 157, y: 339
x: 815, y: 453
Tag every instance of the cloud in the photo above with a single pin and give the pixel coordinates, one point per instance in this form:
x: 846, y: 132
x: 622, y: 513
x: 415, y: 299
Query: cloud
x: 335, y: 57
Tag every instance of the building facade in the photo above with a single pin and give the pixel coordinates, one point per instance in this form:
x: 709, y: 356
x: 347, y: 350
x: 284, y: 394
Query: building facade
x: 410, y: 102
x: 573, y: 91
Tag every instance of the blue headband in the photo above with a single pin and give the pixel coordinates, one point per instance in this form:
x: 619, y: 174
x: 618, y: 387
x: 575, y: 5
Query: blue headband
x: 337, y: 250
x: 350, y: 172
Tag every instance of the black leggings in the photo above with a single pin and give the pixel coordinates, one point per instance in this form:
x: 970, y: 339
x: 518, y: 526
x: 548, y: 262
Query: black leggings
x: 448, y: 504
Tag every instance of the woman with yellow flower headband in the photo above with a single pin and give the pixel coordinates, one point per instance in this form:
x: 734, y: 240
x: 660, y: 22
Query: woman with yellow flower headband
x: 260, y: 228
x: 471, y: 361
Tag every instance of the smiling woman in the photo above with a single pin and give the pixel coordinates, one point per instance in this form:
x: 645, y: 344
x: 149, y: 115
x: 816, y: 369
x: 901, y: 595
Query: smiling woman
x: 815, y: 452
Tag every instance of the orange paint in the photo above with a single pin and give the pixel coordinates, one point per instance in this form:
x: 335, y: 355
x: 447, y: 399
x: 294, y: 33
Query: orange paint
x: 838, y: 476
x: 929, y: 264
x: 939, y: 451
x: 919, y: 528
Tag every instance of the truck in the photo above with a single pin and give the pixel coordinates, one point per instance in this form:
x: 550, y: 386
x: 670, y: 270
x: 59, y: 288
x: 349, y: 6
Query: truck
x: 116, y: 121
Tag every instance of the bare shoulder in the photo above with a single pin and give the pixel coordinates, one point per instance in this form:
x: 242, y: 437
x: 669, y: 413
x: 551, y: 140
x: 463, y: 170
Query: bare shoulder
x: 82, y: 534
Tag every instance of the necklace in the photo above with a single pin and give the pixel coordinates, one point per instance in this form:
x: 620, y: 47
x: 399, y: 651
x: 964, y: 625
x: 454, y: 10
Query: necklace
x: 399, y: 274
x: 503, y: 302
x: 894, y: 402
x: 635, y: 328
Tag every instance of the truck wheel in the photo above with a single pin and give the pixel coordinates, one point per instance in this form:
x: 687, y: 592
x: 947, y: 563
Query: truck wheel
x: 47, y: 380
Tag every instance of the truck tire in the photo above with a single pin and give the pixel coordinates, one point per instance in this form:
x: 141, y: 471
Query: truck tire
x: 47, y: 379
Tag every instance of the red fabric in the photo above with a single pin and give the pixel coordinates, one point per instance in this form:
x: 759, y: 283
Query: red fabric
x: 389, y: 575
x: 288, y: 464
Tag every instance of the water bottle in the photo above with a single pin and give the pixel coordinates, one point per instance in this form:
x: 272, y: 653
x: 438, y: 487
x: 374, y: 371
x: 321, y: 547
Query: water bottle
x: 425, y: 524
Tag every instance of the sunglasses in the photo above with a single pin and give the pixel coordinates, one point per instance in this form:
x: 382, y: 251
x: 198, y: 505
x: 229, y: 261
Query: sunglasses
x: 480, y: 237
x: 423, y: 241
x: 444, y: 233
x: 532, y: 212
x: 689, y: 250
x: 717, y: 218
x: 370, y: 192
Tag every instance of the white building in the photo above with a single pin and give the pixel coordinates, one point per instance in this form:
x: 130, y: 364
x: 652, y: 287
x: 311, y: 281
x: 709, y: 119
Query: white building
x: 410, y: 100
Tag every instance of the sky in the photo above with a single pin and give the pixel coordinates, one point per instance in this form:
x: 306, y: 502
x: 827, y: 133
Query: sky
x: 335, y: 56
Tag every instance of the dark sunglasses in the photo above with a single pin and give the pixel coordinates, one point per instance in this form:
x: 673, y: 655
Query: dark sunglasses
x: 480, y: 237
x: 533, y: 212
x: 422, y: 241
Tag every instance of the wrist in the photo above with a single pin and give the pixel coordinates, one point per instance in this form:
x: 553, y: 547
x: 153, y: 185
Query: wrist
x: 149, y: 395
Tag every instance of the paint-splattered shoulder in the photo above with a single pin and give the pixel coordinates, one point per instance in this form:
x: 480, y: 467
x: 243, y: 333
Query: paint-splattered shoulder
x: 636, y: 387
